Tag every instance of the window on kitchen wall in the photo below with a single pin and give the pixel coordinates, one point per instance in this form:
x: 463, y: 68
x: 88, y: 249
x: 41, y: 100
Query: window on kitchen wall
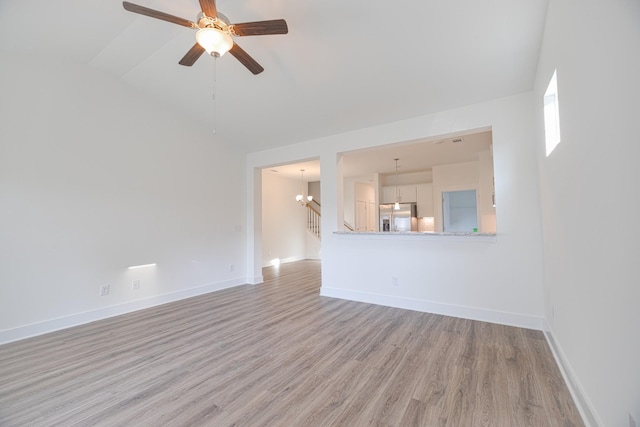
x: 459, y: 211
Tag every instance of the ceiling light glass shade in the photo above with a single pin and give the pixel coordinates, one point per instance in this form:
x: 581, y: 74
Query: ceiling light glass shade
x: 396, y: 206
x: 299, y: 198
x: 214, y: 41
x: 309, y: 198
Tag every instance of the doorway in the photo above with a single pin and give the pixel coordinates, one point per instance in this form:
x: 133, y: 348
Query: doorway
x: 290, y: 213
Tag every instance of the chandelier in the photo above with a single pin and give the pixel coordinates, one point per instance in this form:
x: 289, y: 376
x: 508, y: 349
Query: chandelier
x: 300, y: 198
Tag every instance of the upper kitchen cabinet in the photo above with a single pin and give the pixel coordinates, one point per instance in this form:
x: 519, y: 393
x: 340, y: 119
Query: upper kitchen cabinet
x: 424, y: 198
x: 406, y: 194
x: 388, y: 194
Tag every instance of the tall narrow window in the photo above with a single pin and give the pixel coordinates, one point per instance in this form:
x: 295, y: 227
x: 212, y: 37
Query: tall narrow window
x: 551, y: 115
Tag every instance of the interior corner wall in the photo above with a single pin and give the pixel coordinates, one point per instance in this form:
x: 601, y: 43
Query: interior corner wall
x: 283, y: 220
x: 498, y: 281
x: 315, y: 190
x: 350, y: 201
x: 95, y: 178
x: 591, y: 203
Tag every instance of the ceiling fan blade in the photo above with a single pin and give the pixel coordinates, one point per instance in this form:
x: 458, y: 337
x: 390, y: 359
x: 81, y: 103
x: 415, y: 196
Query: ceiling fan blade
x: 259, y: 28
x: 192, y: 56
x: 245, y: 59
x: 156, y: 14
x: 209, y: 8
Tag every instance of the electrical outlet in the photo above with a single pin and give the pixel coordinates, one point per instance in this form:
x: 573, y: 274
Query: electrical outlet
x: 104, y: 290
x: 230, y: 267
x: 135, y: 285
x: 395, y: 281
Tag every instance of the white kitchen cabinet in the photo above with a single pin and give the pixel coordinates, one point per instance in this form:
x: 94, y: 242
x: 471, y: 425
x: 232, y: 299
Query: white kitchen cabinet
x: 388, y: 194
x: 407, y: 194
x: 424, y: 194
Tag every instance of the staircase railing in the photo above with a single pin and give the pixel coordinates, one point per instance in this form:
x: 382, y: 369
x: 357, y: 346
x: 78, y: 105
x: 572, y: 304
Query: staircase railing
x: 313, y: 221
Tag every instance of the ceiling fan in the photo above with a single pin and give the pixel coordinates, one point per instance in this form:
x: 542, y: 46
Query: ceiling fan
x: 215, y: 31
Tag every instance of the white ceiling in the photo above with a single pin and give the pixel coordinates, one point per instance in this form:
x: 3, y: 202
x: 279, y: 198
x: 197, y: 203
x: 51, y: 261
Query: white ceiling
x: 292, y: 171
x: 415, y: 156
x: 344, y: 64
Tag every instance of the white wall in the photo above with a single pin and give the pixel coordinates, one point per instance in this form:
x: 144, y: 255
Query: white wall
x: 283, y: 220
x: 364, y: 192
x: 406, y: 178
x: 486, y: 210
x: 360, y: 188
x: 313, y: 247
x: 93, y: 179
x: 591, y: 201
x: 315, y: 190
x: 496, y: 281
x: 349, y: 201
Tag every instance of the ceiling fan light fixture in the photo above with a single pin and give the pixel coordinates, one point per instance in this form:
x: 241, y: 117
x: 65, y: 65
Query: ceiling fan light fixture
x: 214, y: 41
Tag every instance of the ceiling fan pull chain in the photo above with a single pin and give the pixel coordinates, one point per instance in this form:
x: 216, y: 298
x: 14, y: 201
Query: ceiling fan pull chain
x: 215, y: 99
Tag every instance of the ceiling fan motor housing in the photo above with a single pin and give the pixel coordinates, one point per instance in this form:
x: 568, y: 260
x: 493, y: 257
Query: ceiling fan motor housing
x: 220, y: 22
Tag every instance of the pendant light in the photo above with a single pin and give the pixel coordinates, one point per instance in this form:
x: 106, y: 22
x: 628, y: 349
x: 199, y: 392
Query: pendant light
x: 300, y: 197
x: 396, y: 206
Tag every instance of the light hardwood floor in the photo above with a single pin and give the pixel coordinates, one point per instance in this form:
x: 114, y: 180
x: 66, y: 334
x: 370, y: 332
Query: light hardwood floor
x: 278, y: 354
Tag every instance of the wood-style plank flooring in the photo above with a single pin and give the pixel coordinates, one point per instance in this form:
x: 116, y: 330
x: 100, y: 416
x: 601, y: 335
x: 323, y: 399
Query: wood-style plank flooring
x: 278, y: 354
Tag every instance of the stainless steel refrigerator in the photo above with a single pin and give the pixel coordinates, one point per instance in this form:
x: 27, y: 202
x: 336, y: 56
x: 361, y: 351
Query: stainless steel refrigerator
x: 403, y: 219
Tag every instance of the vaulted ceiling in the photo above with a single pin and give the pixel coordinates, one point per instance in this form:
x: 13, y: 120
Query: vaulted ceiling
x: 343, y: 65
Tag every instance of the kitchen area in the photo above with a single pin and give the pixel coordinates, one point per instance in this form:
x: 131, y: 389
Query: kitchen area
x: 443, y: 186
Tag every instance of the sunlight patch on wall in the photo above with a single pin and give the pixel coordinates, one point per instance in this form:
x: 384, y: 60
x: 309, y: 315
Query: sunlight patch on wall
x: 133, y: 267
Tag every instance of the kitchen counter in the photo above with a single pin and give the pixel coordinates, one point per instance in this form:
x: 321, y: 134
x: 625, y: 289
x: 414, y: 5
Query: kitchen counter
x: 420, y: 235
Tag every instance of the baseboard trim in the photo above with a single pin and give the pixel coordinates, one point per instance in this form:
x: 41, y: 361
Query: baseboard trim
x: 473, y: 313
x: 581, y: 400
x: 52, y: 325
x: 256, y: 280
